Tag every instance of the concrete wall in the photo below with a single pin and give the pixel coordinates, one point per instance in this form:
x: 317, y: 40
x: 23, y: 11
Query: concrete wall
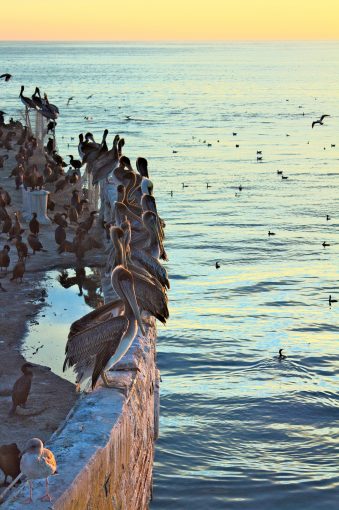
x: 105, y: 448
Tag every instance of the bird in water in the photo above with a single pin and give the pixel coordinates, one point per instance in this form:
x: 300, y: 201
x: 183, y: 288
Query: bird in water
x: 284, y: 177
x: 319, y: 121
x: 328, y: 217
x: 37, y: 462
x: 10, y: 461
x: 279, y: 172
x: 69, y: 100
x: 325, y: 244
x: 331, y: 300
x: 271, y: 233
x: 217, y: 265
x: 6, y: 76
x: 281, y: 355
x: 22, y: 388
x: 208, y: 185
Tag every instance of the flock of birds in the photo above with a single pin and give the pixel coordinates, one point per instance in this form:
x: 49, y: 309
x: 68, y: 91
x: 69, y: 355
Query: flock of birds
x: 135, y: 231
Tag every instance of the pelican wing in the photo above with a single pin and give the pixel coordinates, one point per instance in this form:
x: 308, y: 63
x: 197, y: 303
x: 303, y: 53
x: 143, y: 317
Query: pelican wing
x: 153, y: 266
x: 150, y: 298
x: 95, y: 316
x: 91, y: 341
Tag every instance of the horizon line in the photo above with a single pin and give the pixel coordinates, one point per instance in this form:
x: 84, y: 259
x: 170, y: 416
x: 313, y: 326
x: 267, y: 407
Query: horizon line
x: 167, y: 41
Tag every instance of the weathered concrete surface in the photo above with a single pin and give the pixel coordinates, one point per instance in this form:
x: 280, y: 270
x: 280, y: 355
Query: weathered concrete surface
x: 104, y: 450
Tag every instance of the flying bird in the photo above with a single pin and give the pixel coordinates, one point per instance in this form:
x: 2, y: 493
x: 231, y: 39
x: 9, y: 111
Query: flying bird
x: 6, y: 76
x: 319, y: 121
x: 69, y: 100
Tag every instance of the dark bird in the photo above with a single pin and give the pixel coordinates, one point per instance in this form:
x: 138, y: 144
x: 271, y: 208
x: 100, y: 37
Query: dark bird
x: 184, y: 185
x: 22, y: 388
x: 10, y: 460
x: 208, y: 185
x: 27, y: 101
x: 331, y: 300
x: 75, y: 163
x: 319, y: 121
x: 281, y: 355
x: 217, y: 265
x: 328, y: 217
x: 237, y: 146
x: 324, y: 244
x: 89, y: 97
x: 240, y: 188
x: 4, y: 257
x: 271, y: 233
x: 279, y: 172
x: 259, y: 152
x: 34, y: 243
x: 18, y: 270
x: 69, y: 100
x: 6, y: 76
x: 34, y: 224
x: 234, y: 134
x: 259, y: 158
x: 284, y: 177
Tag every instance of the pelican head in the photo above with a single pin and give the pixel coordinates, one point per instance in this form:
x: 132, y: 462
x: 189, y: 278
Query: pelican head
x: 22, y: 90
x: 122, y: 282
x: 142, y: 166
x: 125, y: 162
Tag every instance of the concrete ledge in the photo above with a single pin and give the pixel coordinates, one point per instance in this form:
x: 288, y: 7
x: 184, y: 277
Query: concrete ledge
x: 105, y: 448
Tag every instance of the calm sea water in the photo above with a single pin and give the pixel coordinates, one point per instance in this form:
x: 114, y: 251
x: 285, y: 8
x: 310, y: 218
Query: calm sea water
x: 239, y: 429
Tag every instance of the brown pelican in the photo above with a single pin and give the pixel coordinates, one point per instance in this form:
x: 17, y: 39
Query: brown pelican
x: 100, y: 346
x: 106, y: 162
x: 91, y: 149
x: 142, y: 166
x: 37, y: 462
x: 29, y: 103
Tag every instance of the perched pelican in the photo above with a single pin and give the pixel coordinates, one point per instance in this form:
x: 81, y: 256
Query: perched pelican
x: 29, y: 103
x: 37, y: 462
x: 101, y: 346
x: 106, y: 162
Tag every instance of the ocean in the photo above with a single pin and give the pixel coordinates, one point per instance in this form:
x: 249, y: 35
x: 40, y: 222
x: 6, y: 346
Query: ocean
x: 239, y: 429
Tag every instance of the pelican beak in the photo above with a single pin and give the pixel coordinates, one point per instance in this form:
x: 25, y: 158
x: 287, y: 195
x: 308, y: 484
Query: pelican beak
x: 128, y: 288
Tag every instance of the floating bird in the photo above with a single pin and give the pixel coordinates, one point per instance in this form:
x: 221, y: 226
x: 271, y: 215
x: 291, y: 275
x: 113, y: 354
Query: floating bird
x: 6, y: 76
x: 240, y: 188
x: 284, y: 177
x: 89, y: 97
x: 281, y: 355
x: 217, y: 265
x: 271, y: 233
x: 208, y: 185
x: 184, y: 185
x: 324, y: 244
x: 175, y: 152
x: 279, y: 172
x: 37, y: 462
x: 69, y: 100
x: 21, y: 388
x: 10, y: 460
x: 331, y: 300
x: 171, y: 193
x: 328, y: 217
x: 319, y: 121
x: 259, y: 152
x: 237, y: 146
x: 234, y: 134
x: 259, y: 158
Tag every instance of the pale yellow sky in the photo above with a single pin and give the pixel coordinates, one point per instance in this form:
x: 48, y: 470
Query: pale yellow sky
x: 149, y: 20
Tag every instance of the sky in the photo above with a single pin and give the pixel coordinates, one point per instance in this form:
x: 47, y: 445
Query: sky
x: 169, y: 20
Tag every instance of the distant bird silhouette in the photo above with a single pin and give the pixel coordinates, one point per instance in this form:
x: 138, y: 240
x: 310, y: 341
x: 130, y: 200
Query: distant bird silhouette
x: 331, y: 300
x: 234, y: 134
x: 259, y: 158
x: 69, y: 100
x: 332, y: 145
x: 237, y: 146
x: 10, y: 460
x: 271, y: 233
x: 279, y: 172
x: 324, y: 244
x: 89, y: 97
x: 209, y: 145
x: 6, y: 76
x: 240, y: 187
x: 22, y: 388
x: 259, y: 152
x: 284, y: 177
x: 319, y: 121
x: 175, y: 152
x: 171, y: 193
x: 217, y: 265
x: 208, y: 185
x: 184, y: 185
x: 328, y: 217
x: 281, y: 355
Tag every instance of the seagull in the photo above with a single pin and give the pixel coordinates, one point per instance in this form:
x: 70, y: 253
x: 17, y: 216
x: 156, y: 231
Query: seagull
x: 37, y: 462
x: 324, y: 244
x: 217, y: 265
x: 69, y: 100
x: 208, y: 185
x: 319, y: 121
x: 281, y: 355
x: 6, y: 76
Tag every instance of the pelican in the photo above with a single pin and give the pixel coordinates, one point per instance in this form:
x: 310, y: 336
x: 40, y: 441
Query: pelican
x: 37, y: 462
x: 142, y: 166
x: 106, y: 162
x: 29, y: 103
x: 101, y: 346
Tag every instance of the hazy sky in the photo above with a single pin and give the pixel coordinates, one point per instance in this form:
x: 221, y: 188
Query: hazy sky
x: 134, y: 20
